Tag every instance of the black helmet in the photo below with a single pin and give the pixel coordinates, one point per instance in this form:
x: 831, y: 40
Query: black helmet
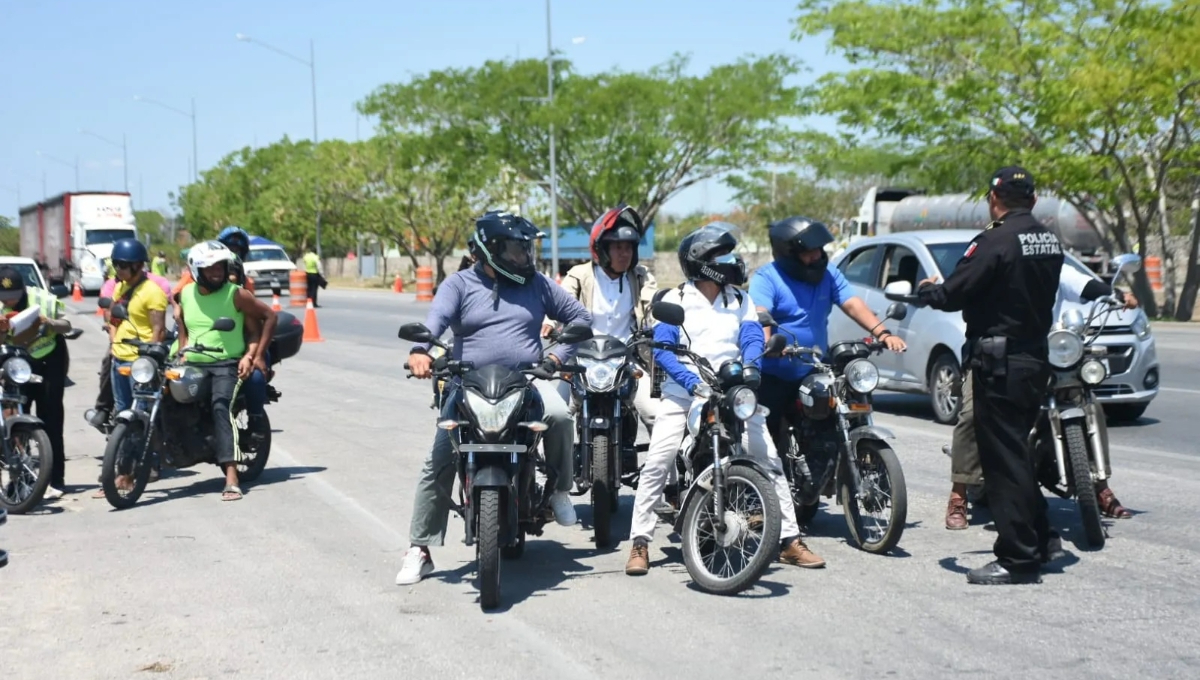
x: 794, y: 235
x: 707, y: 253
x: 505, y: 242
x: 129, y: 250
x: 622, y: 223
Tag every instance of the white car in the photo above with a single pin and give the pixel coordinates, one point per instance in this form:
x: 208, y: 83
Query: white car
x: 935, y: 339
x: 32, y: 274
x: 269, y: 267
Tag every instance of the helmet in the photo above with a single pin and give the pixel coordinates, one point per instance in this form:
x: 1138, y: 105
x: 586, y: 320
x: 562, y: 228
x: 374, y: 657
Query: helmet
x: 204, y: 255
x: 707, y: 253
x: 505, y: 242
x: 794, y: 235
x: 237, y: 240
x: 129, y: 250
x: 622, y: 223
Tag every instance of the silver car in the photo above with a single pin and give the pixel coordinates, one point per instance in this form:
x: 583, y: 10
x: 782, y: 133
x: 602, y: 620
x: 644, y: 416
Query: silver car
x: 935, y: 339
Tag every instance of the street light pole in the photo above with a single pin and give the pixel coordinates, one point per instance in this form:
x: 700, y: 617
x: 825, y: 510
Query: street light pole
x: 311, y: 63
x: 124, y: 152
x: 192, y: 115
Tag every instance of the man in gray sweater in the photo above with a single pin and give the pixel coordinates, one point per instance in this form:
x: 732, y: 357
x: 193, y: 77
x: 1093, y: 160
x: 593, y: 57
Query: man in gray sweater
x: 495, y: 310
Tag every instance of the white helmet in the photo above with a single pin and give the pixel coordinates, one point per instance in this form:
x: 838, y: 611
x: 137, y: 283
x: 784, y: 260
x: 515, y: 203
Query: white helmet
x: 204, y: 255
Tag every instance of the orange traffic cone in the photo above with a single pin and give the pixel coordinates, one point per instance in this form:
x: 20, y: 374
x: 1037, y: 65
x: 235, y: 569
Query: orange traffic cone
x: 99, y: 311
x: 77, y: 294
x: 311, y: 332
x: 275, y: 306
x: 398, y: 286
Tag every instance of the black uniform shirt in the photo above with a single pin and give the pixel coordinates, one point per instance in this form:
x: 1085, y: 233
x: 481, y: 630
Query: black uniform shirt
x: 1006, y: 282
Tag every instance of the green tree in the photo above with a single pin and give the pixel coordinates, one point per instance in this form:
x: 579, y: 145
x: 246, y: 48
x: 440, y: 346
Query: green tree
x: 10, y: 237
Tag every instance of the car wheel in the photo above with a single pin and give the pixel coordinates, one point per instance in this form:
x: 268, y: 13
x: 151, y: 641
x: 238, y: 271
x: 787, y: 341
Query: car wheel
x: 1124, y: 413
x: 945, y: 382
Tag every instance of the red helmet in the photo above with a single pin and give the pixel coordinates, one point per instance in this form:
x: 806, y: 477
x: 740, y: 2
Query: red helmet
x: 622, y: 223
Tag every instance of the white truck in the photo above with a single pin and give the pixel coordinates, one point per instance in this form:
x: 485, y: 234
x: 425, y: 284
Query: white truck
x: 888, y: 210
x: 71, y: 235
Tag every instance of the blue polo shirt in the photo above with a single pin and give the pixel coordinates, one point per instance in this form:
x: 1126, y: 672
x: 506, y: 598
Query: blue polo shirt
x: 800, y: 308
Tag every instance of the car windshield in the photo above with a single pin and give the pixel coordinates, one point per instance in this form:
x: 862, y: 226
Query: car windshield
x: 29, y: 274
x: 95, y: 236
x: 260, y: 254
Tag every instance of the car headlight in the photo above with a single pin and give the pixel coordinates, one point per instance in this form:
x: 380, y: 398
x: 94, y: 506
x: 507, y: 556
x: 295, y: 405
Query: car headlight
x: 600, y: 375
x: 862, y: 376
x: 1141, y: 325
x: 493, y: 417
x: 143, y: 370
x: 1066, y: 348
x: 1093, y: 372
x: 743, y: 402
x: 18, y: 370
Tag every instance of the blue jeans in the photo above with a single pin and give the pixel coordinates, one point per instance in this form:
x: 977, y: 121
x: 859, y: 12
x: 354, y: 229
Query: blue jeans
x: 255, y: 388
x: 122, y: 387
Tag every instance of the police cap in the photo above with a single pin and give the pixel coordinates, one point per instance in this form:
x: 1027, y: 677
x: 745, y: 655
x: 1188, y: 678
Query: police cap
x: 1012, y: 182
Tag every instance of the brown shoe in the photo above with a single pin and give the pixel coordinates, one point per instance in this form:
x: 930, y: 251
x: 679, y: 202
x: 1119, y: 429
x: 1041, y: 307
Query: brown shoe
x: 639, y: 559
x: 1110, y: 506
x: 798, y: 555
x: 956, y: 513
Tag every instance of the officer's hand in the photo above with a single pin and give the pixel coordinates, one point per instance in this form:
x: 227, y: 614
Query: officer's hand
x: 421, y: 365
x: 894, y: 343
x: 546, y: 329
x: 929, y: 281
x: 1131, y: 302
x: 245, y: 367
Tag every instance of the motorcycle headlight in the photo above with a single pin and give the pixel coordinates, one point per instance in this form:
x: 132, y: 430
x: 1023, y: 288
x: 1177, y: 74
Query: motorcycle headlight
x: 493, y: 417
x: 862, y: 376
x: 143, y: 370
x: 1093, y: 372
x: 18, y: 370
x: 1141, y: 325
x: 600, y: 375
x: 695, y: 416
x: 1066, y: 348
x: 743, y: 402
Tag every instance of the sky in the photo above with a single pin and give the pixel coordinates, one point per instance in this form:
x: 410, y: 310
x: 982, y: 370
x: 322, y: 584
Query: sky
x: 67, y: 66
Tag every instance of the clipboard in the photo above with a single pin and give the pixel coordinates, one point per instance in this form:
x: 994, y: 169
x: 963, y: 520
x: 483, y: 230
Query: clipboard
x: 23, y: 321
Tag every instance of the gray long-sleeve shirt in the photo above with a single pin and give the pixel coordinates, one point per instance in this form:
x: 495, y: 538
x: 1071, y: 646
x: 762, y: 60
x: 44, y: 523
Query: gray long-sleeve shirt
x: 506, y: 331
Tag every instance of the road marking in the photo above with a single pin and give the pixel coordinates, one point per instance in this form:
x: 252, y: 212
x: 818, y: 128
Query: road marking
x: 1178, y: 389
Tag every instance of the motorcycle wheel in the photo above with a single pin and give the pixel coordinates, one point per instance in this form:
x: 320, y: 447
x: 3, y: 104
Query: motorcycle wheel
x: 601, y: 498
x: 256, y: 459
x: 487, y: 548
x: 702, y: 543
x: 125, y: 445
x: 1085, y: 488
x: 38, y: 436
x: 881, y: 472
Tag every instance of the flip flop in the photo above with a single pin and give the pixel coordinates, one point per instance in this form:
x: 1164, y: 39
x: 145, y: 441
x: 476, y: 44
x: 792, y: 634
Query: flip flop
x: 231, y: 493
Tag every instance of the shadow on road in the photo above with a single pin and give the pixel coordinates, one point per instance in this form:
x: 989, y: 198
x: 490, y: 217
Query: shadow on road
x: 215, y: 483
x: 545, y: 567
x: 833, y: 525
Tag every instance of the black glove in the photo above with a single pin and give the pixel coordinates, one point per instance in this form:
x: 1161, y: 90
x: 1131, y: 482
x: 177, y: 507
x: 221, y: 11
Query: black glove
x: 752, y: 377
x: 546, y: 369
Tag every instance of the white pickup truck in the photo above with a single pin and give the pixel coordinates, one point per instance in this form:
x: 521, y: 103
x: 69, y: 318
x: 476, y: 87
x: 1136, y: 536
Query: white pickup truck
x: 268, y: 267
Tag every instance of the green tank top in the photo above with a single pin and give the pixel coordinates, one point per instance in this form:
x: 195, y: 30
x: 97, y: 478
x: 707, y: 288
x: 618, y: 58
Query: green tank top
x: 199, y: 313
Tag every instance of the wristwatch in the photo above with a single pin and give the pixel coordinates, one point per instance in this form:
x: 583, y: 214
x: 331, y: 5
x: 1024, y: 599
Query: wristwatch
x: 883, y: 334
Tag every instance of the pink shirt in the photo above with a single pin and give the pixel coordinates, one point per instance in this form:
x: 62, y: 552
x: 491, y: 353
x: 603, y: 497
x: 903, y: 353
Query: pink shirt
x: 111, y: 284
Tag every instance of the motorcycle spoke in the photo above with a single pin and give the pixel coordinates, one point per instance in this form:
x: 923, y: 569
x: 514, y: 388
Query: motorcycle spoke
x: 742, y: 505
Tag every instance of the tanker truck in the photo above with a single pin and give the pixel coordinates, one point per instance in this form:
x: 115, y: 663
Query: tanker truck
x: 71, y: 235
x: 886, y: 210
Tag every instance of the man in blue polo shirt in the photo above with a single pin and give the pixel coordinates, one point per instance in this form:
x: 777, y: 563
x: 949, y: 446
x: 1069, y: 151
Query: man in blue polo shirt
x: 799, y: 289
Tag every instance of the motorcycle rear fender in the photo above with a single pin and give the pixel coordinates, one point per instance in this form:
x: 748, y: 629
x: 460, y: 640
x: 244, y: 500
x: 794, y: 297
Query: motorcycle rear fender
x: 22, y: 422
x: 696, y: 490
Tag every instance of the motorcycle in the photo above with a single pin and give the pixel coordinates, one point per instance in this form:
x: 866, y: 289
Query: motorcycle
x: 171, y: 417
x: 729, y: 519
x: 3, y: 554
x: 495, y: 435
x: 1071, y: 444
x: 26, y: 456
x: 828, y: 441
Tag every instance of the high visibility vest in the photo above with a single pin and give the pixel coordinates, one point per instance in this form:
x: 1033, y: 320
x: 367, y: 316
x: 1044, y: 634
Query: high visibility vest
x: 52, y: 308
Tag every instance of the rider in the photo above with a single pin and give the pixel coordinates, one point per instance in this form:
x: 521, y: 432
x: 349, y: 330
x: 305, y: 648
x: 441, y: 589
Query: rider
x: 799, y: 290
x: 965, y: 469
x: 237, y: 241
x: 720, y: 325
x: 234, y: 354
x: 495, y: 309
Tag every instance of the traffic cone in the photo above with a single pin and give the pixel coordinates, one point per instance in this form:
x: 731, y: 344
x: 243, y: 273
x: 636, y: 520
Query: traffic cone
x: 398, y: 286
x: 275, y: 306
x: 77, y: 294
x: 99, y: 310
x: 311, y: 332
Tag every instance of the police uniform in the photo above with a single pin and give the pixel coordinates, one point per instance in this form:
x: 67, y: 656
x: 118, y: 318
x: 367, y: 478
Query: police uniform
x: 48, y: 353
x: 1006, y: 285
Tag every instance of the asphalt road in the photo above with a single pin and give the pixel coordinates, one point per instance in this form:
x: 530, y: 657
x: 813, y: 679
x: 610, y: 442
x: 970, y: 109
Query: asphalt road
x: 296, y: 580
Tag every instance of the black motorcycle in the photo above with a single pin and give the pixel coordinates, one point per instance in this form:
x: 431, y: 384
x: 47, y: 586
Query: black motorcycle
x: 828, y: 441
x: 172, y: 417
x: 495, y: 438
x: 25, y: 457
x: 3, y: 554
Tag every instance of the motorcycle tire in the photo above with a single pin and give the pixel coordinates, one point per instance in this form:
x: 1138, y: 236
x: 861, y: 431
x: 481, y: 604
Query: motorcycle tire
x: 487, y: 548
x: 45, y: 462
x: 768, y: 545
x: 1085, y: 487
x: 130, y: 437
x: 898, y: 508
x: 256, y: 465
x: 601, y: 498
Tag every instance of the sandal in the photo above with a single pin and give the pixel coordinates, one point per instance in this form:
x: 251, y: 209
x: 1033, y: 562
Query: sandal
x: 1111, y: 507
x: 231, y: 493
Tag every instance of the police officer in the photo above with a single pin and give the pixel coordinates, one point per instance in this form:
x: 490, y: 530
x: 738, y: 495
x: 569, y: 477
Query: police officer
x: 1005, y: 285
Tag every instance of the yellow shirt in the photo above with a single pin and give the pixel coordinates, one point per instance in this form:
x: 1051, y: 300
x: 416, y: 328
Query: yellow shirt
x: 147, y: 298
x: 312, y: 263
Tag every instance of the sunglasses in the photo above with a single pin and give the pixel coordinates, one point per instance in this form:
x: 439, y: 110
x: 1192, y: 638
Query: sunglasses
x: 123, y: 265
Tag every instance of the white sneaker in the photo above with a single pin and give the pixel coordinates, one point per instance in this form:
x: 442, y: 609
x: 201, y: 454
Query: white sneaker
x: 415, y: 566
x: 564, y: 509
x: 52, y: 494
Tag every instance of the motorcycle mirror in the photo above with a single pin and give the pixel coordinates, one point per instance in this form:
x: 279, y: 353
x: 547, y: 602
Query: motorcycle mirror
x: 775, y: 344
x: 1127, y: 263
x: 668, y: 313
x: 118, y: 311
x: 59, y: 290
x: 415, y: 332
x: 224, y: 324
x: 897, y: 311
x: 765, y: 318
x: 104, y: 303
x: 574, y: 333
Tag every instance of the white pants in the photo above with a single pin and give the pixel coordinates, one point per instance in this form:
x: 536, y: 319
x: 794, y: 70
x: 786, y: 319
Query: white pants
x: 670, y: 426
